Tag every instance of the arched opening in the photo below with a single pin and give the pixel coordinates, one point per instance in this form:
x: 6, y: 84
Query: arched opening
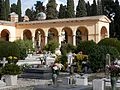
x: 53, y: 35
x: 5, y: 35
x: 39, y: 38
x: 103, y: 32
x: 27, y: 35
x: 67, y: 35
x: 81, y: 35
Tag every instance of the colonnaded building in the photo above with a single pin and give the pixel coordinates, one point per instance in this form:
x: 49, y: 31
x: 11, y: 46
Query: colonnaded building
x: 70, y: 30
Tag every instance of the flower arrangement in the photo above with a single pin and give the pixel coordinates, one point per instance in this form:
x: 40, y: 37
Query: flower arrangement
x: 56, y: 68
x: 12, y: 59
x: 114, y: 70
x: 11, y: 69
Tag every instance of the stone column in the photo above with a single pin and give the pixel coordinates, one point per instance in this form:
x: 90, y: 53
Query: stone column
x: 74, y: 40
x: 74, y: 35
x: 59, y: 40
x: 33, y: 40
x: 46, y: 38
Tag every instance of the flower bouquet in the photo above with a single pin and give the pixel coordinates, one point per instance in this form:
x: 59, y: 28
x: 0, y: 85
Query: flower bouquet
x: 12, y: 59
x: 114, y: 70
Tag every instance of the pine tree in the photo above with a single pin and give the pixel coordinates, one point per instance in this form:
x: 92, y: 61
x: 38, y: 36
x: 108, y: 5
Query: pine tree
x: 70, y: 9
x: 19, y: 12
x: 94, y: 8
x: 2, y: 10
x: 51, y: 11
x: 31, y: 14
x: 88, y: 8
x: 7, y: 9
x: 62, y: 11
x: 81, y: 9
x: 39, y: 7
x: 99, y: 7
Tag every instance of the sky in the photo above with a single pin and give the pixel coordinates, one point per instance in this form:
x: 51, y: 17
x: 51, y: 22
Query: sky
x: 29, y: 3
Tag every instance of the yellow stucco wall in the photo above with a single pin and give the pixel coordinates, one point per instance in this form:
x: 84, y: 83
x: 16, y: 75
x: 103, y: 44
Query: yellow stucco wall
x: 92, y: 25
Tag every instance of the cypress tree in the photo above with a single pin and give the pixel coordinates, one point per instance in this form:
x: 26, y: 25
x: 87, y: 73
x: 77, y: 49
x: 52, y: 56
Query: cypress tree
x: 107, y: 7
x: 99, y: 7
x: 7, y: 9
x: 117, y: 19
x: 51, y: 11
x: 81, y: 9
x: 70, y: 9
x: 2, y: 10
x: 94, y: 8
x: 62, y: 11
x: 88, y: 9
x: 19, y: 12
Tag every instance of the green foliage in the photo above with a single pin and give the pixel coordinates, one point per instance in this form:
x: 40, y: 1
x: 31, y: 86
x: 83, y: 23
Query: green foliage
x: 81, y: 9
x: 7, y: 8
x: 3, y: 49
x: 31, y: 14
x: 94, y: 8
x: 51, y: 11
x: 97, y: 53
x: 11, y: 69
x: 9, y: 49
x: 2, y: 17
x: 107, y: 42
x: 62, y: 11
x: 13, y: 49
x: 66, y: 48
x: 81, y: 57
x: 24, y: 46
x: 25, y: 66
x: 70, y: 9
x: 19, y: 12
x: 39, y: 7
x: 85, y: 47
x: 13, y: 8
x: 51, y: 46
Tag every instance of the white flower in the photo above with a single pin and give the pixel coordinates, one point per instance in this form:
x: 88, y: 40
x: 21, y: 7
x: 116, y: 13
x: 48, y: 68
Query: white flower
x: 59, y: 65
x: 55, y: 68
x: 117, y: 66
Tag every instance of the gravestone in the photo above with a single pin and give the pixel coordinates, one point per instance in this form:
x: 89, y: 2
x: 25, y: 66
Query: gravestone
x: 98, y: 84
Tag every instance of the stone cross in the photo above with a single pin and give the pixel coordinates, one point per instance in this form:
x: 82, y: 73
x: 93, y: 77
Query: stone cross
x: 4, y: 61
x: 70, y: 58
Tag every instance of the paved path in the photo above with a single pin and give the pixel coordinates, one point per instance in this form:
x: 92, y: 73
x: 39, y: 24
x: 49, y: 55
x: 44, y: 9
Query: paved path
x: 63, y: 88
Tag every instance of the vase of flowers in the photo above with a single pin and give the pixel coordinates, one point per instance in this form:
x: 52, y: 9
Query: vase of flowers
x: 114, y: 70
x: 12, y: 59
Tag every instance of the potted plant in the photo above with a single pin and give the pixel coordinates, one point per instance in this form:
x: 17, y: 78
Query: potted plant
x: 10, y: 71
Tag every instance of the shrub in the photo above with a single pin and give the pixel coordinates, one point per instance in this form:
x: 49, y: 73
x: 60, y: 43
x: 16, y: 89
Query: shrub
x: 97, y: 53
x: 51, y: 46
x: 113, y: 42
x: 85, y: 47
x: 11, y: 69
x: 9, y: 49
x: 24, y: 46
x: 66, y: 48
x: 13, y: 50
x: 3, y: 49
